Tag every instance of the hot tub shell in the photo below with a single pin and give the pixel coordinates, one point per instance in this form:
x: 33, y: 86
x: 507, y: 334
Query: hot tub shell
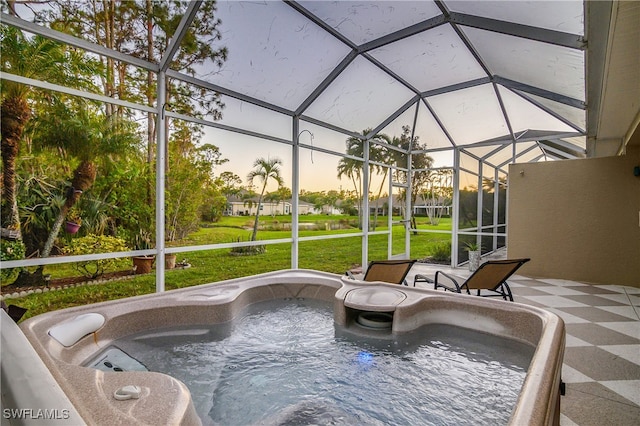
x: 165, y: 400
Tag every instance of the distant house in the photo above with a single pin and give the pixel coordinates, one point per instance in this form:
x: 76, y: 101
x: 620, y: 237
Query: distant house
x: 330, y: 210
x: 307, y: 208
x: 239, y: 205
x: 419, y: 207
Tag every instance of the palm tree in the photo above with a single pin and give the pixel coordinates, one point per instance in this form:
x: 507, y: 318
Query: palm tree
x: 380, y: 154
x: 33, y: 57
x: 353, y: 169
x: 86, y: 135
x: 265, y: 170
x: 437, y: 190
x: 419, y: 165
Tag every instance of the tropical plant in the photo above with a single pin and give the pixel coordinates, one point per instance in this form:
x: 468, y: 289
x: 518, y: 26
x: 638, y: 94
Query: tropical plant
x: 40, y: 197
x: 382, y: 155
x: 85, y: 135
x: 472, y: 246
x: 420, y: 165
x: 94, y: 214
x: 144, y: 29
x: 353, y: 168
x: 143, y: 240
x: 277, y: 197
x: 39, y: 58
x: 74, y: 216
x: 265, y: 170
x: 248, y: 198
x: 120, y: 193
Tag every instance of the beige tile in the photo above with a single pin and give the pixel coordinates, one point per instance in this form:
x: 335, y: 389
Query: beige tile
x: 599, y: 335
x: 629, y: 352
x: 600, y: 364
x: 571, y: 375
x: 630, y: 389
x: 592, y: 404
x: 556, y: 301
x: 567, y: 317
x: 566, y: 421
x: 596, y: 300
x: 575, y: 342
x: 593, y: 289
x: 625, y: 311
x: 630, y: 328
x: 594, y: 314
x: 620, y: 297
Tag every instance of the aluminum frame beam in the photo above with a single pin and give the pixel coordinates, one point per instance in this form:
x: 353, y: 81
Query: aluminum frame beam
x: 77, y: 42
x: 75, y: 92
x: 183, y: 27
x: 547, y: 110
x: 567, y: 100
x: 544, y: 35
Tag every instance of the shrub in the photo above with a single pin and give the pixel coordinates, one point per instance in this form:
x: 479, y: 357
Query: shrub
x: 91, y: 244
x: 11, y: 250
x: 441, y: 252
x: 247, y: 250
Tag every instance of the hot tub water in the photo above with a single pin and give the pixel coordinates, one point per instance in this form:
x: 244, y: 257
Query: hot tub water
x: 286, y: 362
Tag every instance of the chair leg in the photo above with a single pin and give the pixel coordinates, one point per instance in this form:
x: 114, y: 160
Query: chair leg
x: 506, y: 292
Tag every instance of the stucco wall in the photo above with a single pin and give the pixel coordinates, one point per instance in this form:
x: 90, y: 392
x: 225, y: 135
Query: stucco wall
x: 577, y: 219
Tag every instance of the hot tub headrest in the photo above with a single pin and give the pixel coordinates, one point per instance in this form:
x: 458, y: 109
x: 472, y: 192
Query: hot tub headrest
x: 70, y: 332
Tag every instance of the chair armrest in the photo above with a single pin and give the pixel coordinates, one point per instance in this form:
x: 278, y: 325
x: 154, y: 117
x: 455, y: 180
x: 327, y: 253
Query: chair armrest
x: 421, y: 279
x: 454, y: 281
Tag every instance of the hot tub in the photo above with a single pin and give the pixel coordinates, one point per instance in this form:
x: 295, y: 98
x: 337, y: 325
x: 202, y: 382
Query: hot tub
x: 70, y: 343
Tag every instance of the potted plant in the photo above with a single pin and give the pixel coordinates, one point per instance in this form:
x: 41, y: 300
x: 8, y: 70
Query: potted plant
x: 74, y: 221
x: 143, y: 264
x: 169, y: 260
x: 474, y: 250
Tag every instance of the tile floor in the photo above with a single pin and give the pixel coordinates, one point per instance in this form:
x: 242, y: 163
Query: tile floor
x: 602, y: 356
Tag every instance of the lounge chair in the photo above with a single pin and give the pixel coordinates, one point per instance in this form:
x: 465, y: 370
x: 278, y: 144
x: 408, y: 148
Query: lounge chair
x: 388, y: 271
x: 490, y: 277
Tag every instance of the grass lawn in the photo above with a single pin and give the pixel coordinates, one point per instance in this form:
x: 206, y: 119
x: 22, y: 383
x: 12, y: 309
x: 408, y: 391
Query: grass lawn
x: 331, y: 255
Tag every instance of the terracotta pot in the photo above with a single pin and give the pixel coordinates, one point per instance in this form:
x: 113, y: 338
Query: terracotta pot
x: 169, y: 261
x: 143, y: 264
x: 71, y: 227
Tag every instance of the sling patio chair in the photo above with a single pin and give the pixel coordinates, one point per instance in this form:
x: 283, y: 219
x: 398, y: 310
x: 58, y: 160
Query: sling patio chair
x: 388, y: 271
x: 490, y: 277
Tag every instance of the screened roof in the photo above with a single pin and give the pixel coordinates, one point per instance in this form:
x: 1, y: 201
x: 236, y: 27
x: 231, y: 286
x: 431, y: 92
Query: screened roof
x: 458, y: 73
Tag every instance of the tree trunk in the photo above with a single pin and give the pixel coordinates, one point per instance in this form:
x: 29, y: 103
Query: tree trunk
x: 55, y: 230
x: 83, y: 178
x: 15, y: 113
x: 254, y: 234
x: 375, y: 217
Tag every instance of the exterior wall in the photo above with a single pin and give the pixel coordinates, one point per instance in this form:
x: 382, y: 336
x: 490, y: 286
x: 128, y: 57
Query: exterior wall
x: 268, y: 208
x: 577, y: 219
